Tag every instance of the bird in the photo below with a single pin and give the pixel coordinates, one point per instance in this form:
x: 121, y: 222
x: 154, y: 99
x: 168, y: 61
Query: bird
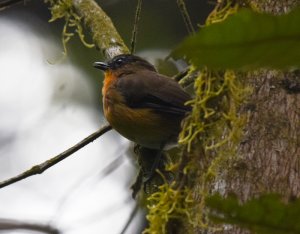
x: 141, y: 104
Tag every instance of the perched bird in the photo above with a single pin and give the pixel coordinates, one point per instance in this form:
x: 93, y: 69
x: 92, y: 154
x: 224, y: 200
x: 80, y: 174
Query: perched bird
x: 142, y: 105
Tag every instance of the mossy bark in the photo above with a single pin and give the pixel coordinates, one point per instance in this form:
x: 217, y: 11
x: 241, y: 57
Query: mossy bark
x: 269, y: 154
x: 104, y: 34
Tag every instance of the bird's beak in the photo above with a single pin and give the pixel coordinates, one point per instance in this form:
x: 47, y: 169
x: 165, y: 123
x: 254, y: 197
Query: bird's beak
x: 101, y: 65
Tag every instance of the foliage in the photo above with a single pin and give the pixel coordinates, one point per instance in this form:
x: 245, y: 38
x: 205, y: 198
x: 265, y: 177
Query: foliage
x: 246, y: 40
x: 264, y: 215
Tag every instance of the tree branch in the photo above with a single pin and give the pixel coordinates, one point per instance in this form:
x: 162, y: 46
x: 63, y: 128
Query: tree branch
x: 102, y: 29
x: 104, y: 33
x: 7, y: 224
x: 40, y: 168
x: 8, y: 3
x: 135, y: 26
x: 186, y: 16
x: 130, y: 219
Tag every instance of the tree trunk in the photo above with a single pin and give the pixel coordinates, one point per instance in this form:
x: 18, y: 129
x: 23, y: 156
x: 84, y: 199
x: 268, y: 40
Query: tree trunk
x: 215, y: 158
x: 269, y: 154
x: 270, y: 149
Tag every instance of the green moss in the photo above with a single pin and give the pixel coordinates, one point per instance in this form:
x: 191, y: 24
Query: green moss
x: 161, y: 210
x: 63, y: 9
x: 209, y: 139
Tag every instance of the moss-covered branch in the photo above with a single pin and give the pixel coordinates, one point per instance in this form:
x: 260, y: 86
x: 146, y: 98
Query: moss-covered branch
x: 75, y: 12
x: 103, y: 32
x: 102, y: 29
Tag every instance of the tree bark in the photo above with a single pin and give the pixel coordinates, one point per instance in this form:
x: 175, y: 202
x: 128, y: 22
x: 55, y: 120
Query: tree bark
x: 269, y: 154
x: 270, y: 149
x: 104, y: 33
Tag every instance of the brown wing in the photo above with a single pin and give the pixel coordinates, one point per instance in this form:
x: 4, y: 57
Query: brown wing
x: 152, y: 90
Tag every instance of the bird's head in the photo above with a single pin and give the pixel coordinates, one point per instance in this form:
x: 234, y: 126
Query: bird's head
x: 124, y: 63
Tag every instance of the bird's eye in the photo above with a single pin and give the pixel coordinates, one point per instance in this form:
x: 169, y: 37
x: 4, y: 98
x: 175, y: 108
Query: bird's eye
x: 119, y: 61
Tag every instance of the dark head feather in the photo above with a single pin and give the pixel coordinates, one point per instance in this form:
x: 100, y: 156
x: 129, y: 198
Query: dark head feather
x: 128, y: 59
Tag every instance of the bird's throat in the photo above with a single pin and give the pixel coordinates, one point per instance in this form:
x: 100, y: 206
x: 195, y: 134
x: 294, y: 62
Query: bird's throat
x: 109, y: 80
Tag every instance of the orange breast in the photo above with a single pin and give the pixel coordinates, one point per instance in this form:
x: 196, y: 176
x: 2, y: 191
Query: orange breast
x: 142, y: 126
x: 109, y: 80
x: 111, y: 97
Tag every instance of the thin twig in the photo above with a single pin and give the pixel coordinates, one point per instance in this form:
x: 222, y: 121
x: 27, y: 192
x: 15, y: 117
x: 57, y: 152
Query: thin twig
x: 135, y: 26
x: 131, y: 217
x: 9, y: 225
x: 40, y: 168
x: 8, y: 3
x: 186, y: 77
x: 186, y: 16
x: 181, y: 74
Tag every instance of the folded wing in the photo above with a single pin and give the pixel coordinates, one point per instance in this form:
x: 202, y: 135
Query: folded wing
x: 155, y: 91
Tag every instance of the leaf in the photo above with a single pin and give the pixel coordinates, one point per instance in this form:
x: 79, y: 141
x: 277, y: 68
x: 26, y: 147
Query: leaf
x: 246, y: 40
x: 264, y: 215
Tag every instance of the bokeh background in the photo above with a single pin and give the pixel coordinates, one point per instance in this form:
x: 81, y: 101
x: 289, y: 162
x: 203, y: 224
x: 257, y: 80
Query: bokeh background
x: 49, y: 102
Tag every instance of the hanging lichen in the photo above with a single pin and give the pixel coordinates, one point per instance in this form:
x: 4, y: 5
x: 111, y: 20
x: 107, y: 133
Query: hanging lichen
x: 209, y: 139
x: 63, y: 9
